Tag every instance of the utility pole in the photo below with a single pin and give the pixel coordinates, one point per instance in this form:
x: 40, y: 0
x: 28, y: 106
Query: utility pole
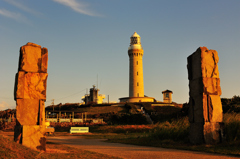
x: 53, y: 104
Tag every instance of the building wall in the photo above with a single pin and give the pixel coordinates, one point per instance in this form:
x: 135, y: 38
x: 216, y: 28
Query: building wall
x: 136, y: 85
x: 137, y: 99
x: 94, y: 94
x: 167, y: 97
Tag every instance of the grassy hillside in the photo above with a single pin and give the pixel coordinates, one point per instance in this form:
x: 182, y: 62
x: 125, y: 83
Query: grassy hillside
x: 12, y: 150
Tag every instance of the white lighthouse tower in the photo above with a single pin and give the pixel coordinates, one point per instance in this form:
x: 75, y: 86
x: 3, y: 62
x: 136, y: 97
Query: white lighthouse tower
x: 136, y: 85
x: 135, y: 53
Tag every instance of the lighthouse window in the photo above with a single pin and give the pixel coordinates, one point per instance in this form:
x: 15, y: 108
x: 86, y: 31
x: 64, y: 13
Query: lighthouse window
x: 137, y: 73
x: 137, y: 84
x: 134, y: 40
x: 167, y: 95
x: 137, y: 62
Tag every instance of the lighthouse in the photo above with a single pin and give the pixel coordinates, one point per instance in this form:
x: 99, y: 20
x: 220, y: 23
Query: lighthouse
x: 136, y: 85
x: 135, y: 53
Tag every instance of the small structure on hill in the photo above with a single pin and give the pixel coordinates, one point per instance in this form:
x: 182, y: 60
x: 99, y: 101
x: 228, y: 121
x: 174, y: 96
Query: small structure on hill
x: 167, y: 96
x: 93, y: 97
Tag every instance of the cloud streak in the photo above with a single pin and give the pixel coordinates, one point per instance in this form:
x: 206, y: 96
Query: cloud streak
x: 77, y: 7
x: 4, y: 106
x: 16, y: 16
x: 22, y: 7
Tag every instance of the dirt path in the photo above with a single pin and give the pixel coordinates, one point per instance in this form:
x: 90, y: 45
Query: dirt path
x: 131, y: 151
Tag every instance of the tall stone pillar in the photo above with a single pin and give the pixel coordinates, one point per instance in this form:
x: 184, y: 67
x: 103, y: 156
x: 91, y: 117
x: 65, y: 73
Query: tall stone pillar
x: 30, y: 95
x: 205, y: 111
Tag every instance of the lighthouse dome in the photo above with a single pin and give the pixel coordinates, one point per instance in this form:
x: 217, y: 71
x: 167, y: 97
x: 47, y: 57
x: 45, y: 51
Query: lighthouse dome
x: 135, y: 42
x: 135, y: 34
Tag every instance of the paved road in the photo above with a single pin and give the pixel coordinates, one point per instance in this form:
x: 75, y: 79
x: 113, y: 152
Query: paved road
x: 131, y: 151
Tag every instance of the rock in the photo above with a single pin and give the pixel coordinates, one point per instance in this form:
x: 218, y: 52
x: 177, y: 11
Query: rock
x: 33, y: 44
x: 30, y: 58
x: 209, y: 63
x: 33, y: 58
x: 211, y: 86
x: 30, y: 94
x: 205, y: 108
x: 212, y: 132
x: 196, y: 133
x: 195, y: 109
x: 41, y: 118
x: 215, y: 109
x: 31, y: 85
x: 44, y: 64
x: 203, y: 63
x: 18, y: 133
x: 27, y: 111
x: 33, y: 136
x: 205, y: 85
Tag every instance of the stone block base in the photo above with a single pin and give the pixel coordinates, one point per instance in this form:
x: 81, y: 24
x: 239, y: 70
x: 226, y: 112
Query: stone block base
x: 196, y: 133
x: 208, y: 133
x: 32, y: 136
x: 213, y: 133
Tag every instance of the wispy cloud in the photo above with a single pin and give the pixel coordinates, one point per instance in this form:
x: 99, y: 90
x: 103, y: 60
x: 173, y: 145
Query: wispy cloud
x: 79, y: 7
x: 16, y: 16
x: 22, y: 7
x: 4, y: 106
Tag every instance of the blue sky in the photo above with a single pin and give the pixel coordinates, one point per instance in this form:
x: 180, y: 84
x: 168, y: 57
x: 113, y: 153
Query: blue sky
x: 89, y: 39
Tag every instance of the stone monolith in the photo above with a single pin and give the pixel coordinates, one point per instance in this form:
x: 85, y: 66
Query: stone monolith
x: 205, y: 107
x: 30, y: 94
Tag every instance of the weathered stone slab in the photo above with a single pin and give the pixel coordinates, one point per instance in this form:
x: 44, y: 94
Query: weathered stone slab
x: 196, y: 87
x: 209, y: 60
x: 196, y: 109
x: 41, y: 113
x: 203, y: 63
x: 194, y: 65
x: 30, y: 58
x: 30, y: 94
x: 44, y: 64
x: 18, y: 133
x: 212, y: 132
x: 208, y: 132
x: 205, y: 108
x: 216, y: 105
x: 212, y: 108
x: 196, y: 133
x: 34, y: 137
x: 27, y: 111
x: 206, y: 85
x: 31, y: 85
x: 19, y: 85
x: 211, y: 86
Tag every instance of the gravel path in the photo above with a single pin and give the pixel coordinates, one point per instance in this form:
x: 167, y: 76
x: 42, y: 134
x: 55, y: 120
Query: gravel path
x: 131, y: 151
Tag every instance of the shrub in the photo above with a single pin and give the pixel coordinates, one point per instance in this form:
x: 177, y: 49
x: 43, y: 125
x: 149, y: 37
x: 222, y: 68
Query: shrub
x: 176, y: 130
x: 232, y: 126
x: 127, y: 118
